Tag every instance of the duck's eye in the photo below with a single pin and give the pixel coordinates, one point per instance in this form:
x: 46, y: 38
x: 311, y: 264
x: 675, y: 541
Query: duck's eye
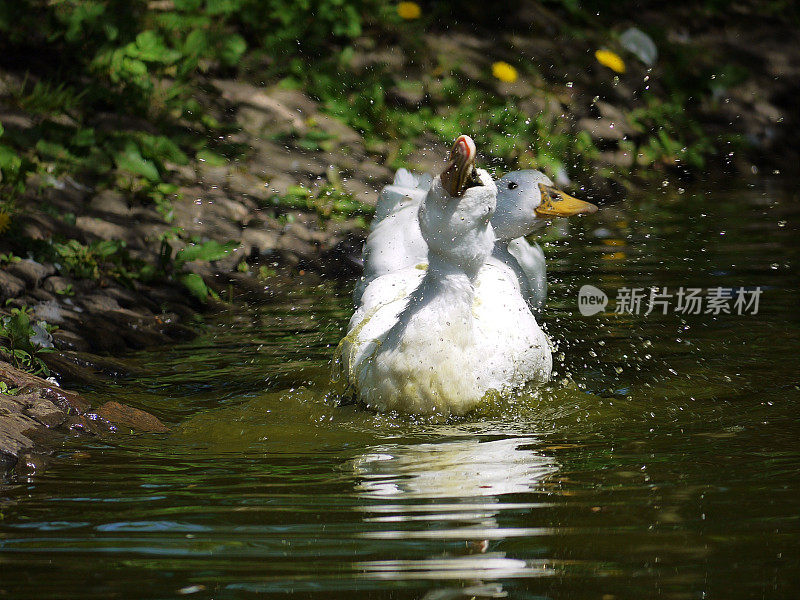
x: 512, y: 185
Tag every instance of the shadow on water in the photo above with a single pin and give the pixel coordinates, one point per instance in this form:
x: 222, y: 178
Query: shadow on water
x: 662, y: 461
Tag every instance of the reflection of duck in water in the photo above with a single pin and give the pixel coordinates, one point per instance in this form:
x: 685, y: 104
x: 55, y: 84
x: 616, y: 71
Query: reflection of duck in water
x: 467, y: 478
x: 460, y: 468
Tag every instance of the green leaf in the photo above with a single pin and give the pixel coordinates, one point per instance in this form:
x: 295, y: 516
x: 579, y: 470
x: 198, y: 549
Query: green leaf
x: 9, y: 158
x: 107, y: 248
x: 18, y: 329
x: 112, y: 32
x: 53, y: 150
x: 222, y: 7
x: 298, y: 190
x: 212, y: 158
x: 22, y: 355
x: 150, y: 47
x: 147, y: 272
x: 167, y: 188
x: 148, y: 40
x: 195, y: 43
x: 81, y: 17
x: 232, y: 49
x: 196, y: 286
x: 210, y: 250
x: 84, y: 137
x: 131, y: 160
x: 161, y: 148
x: 133, y: 66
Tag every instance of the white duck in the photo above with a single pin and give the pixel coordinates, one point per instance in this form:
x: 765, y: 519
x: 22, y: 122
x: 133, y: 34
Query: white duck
x: 525, y: 200
x: 443, y: 346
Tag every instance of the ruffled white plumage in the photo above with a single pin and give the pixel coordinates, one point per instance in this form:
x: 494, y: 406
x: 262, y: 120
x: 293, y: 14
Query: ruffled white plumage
x: 432, y: 337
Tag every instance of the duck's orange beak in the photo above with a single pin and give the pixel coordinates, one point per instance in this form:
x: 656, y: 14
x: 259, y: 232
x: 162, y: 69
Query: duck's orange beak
x: 460, y: 166
x: 556, y: 203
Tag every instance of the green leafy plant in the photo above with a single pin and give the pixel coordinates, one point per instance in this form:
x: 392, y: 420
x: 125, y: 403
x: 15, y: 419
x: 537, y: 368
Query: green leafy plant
x: 162, y: 196
x: 328, y: 201
x: 85, y: 261
x: 25, y: 341
x: 265, y: 272
x: 120, y: 98
x: 13, y: 169
x: 196, y: 286
x: 669, y: 135
x: 8, y: 391
x: 207, y: 251
x: 46, y: 98
x: 66, y: 291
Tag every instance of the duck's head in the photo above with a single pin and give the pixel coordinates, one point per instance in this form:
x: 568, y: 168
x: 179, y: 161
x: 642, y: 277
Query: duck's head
x: 455, y: 216
x: 527, y: 199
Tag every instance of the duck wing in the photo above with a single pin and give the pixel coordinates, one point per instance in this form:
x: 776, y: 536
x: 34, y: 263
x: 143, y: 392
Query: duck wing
x: 531, y: 271
x: 395, y: 241
x: 406, y: 190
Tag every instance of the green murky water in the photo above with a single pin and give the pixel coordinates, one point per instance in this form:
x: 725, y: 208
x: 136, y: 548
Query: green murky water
x: 664, y: 461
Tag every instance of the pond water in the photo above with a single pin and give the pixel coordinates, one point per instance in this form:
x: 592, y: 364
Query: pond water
x: 663, y: 460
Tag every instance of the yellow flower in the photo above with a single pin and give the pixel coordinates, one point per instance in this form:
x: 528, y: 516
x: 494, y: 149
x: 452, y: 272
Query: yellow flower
x: 504, y: 72
x: 610, y: 59
x: 409, y: 10
x: 5, y: 221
